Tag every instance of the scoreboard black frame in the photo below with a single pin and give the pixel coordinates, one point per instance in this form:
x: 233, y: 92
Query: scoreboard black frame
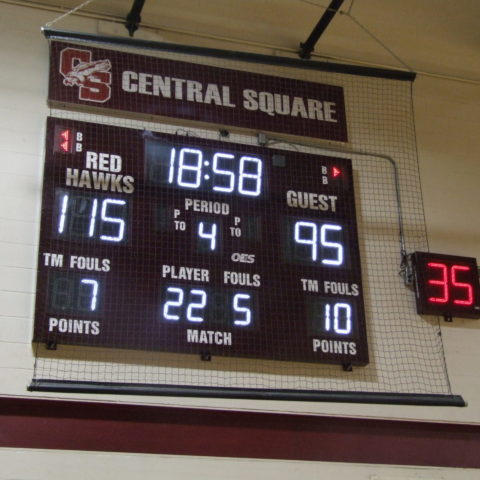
x: 182, y: 244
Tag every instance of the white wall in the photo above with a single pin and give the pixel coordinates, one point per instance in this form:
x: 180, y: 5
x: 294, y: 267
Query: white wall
x: 448, y: 122
x: 447, y: 118
x: 25, y: 464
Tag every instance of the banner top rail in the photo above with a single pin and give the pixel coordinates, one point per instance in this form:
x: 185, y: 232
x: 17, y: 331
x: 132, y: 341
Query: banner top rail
x: 333, y: 67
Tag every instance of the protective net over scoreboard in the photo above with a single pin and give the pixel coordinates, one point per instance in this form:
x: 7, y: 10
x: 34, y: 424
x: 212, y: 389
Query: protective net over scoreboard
x: 190, y: 244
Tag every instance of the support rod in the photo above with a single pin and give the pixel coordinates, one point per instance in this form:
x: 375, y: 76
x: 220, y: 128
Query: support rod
x: 307, y: 48
x: 133, y: 18
x: 65, y: 386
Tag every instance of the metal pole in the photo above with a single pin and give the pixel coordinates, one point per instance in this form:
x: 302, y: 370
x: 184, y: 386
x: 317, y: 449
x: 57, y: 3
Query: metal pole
x: 307, y: 48
x: 133, y: 18
x: 387, y: 398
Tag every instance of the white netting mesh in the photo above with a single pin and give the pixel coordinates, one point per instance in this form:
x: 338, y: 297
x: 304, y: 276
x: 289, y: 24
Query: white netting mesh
x: 406, y: 351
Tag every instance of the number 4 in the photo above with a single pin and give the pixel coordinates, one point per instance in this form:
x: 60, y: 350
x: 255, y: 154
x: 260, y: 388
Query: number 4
x: 211, y: 235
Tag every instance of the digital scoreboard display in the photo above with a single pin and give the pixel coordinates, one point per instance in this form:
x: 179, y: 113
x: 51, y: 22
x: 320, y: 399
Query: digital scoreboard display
x: 181, y: 244
x: 446, y: 285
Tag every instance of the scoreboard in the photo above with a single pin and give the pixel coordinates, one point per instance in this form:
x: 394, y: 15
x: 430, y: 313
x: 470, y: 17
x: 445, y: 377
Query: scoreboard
x: 182, y: 244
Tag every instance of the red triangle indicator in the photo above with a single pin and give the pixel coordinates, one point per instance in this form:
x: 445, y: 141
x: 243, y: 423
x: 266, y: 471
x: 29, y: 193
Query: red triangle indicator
x: 336, y: 172
x: 65, y: 145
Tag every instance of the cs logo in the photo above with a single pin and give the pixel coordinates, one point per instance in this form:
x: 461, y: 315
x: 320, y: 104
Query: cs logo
x: 93, y: 78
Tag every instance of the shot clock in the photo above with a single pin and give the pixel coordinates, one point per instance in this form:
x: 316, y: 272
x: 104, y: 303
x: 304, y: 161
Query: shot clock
x: 446, y: 285
x: 188, y: 245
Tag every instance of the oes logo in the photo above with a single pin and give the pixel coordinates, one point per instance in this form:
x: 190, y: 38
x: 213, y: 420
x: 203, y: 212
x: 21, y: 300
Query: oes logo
x: 93, y: 78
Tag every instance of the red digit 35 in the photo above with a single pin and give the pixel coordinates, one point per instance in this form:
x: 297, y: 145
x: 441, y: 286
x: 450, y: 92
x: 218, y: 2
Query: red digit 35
x: 443, y: 284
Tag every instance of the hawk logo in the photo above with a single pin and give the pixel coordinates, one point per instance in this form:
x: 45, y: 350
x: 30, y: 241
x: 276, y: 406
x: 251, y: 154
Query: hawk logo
x: 92, y: 77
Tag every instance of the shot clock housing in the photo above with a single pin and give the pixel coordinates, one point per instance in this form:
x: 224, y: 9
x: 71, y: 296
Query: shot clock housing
x: 446, y: 285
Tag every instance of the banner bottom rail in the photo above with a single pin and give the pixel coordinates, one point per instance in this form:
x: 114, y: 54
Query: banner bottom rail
x: 63, y: 386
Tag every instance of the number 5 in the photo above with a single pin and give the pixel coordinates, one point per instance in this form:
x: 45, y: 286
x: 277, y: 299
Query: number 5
x: 244, y: 310
x: 466, y: 286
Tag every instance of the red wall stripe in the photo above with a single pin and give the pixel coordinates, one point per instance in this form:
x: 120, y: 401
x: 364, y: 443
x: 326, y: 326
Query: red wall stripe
x: 54, y: 424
